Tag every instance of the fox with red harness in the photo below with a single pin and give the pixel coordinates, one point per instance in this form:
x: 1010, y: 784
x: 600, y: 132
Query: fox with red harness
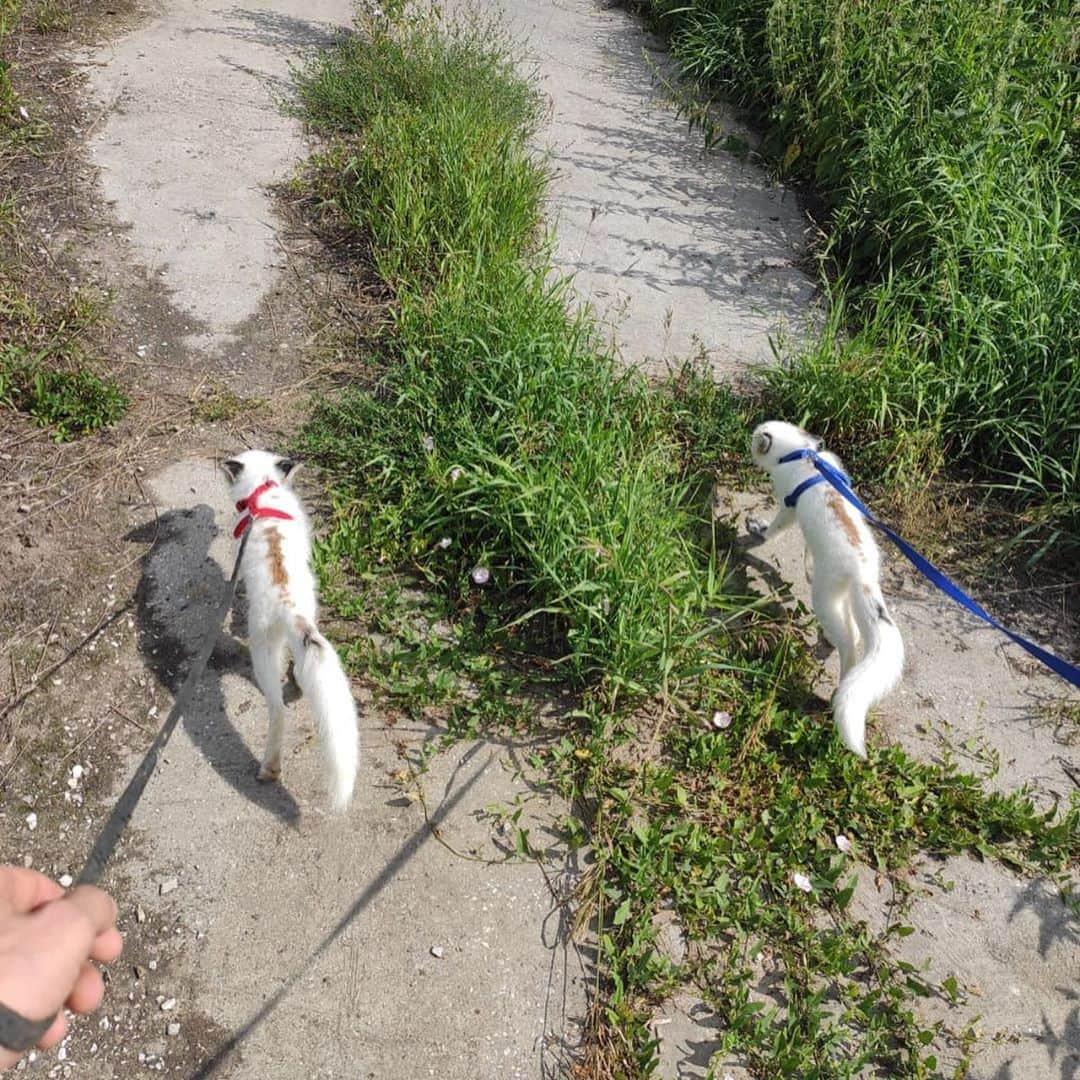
x: 282, y: 613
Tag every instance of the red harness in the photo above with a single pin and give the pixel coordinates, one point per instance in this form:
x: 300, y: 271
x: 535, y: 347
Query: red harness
x: 254, y: 510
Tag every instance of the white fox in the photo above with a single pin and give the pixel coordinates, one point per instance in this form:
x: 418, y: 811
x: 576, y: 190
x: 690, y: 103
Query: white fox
x: 282, y: 610
x: 845, y: 594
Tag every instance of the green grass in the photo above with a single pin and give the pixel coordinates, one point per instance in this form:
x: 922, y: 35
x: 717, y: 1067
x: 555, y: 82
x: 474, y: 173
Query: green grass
x: 47, y: 369
x: 490, y: 430
x: 943, y: 139
x: 512, y: 435
x: 9, y: 14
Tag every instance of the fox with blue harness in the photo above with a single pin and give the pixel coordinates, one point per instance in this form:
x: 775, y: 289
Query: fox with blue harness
x: 845, y: 594
x: 812, y: 487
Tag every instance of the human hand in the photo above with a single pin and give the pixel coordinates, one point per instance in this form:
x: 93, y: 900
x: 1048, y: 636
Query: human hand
x: 47, y: 939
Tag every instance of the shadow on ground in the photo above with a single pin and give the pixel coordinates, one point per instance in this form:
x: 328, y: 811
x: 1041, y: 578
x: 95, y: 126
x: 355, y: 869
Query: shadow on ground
x: 176, y: 602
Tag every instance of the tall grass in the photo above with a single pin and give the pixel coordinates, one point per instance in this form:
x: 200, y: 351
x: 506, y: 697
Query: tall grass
x: 943, y: 138
x: 513, y: 435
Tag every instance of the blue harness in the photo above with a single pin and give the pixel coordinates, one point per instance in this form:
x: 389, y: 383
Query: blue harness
x: 842, y: 484
x: 811, y: 481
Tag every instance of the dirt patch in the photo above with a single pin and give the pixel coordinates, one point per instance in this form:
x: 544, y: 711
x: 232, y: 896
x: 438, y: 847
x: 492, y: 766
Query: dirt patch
x: 77, y: 696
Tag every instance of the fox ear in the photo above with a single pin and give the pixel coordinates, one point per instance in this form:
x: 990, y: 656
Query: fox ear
x: 287, y: 466
x: 233, y: 468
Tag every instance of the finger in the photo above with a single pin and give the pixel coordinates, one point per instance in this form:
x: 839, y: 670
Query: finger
x: 57, y: 1030
x: 107, y: 947
x: 75, y: 921
x: 95, y: 904
x: 24, y: 890
x: 87, y: 992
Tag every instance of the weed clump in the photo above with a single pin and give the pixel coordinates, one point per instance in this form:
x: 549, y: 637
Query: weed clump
x: 46, y: 371
x: 513, y: 433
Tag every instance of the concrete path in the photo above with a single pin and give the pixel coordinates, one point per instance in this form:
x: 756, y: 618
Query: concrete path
x: 680, y: 251
x: 354, y: 947
x: 192, y: 136
x: 397, y: 942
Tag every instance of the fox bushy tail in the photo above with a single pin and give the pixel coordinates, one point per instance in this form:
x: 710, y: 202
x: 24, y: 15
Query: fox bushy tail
x: 319, y: 674
x: 876, y: 674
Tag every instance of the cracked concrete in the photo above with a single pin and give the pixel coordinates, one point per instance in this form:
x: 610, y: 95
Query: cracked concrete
x: 681, y: 251
x: 192, y: 135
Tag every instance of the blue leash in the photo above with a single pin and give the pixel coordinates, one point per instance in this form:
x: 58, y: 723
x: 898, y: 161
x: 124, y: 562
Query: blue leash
x: 842, y: 484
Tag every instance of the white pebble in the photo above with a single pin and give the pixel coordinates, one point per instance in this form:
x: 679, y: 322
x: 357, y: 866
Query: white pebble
x: 168, y: 1005
x: 66, y: 880
x: 437, y: 951
x: 31, y: 821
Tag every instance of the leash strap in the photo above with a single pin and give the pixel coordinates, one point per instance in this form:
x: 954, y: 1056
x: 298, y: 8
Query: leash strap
x: 120, y: 817
x: 1067, y: 671
x: 16, y: 1032
x: 19, y: 1034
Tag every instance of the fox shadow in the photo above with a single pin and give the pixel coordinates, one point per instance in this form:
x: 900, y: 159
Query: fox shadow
x: 179, y: 594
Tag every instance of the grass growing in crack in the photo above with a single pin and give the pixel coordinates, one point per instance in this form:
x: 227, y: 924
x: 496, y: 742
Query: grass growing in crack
x: 46, y: 370
x: 943, y: 139
x: 498, y: 436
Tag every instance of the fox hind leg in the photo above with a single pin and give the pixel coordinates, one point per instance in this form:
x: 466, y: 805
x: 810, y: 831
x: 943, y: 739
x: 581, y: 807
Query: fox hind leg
x: 831, y: 609
x: 266, y: 657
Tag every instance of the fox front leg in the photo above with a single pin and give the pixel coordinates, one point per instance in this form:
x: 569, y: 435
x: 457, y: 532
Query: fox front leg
x: 763, y: 531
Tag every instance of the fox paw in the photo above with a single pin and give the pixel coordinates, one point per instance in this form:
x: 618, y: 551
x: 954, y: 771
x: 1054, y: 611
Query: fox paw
x: 270, y: 771
x: 755, y: 532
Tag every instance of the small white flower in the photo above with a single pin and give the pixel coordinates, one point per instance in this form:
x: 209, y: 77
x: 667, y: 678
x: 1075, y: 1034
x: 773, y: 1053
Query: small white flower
x: 481, y: 575
x: 721, y: 720
x: 444, y: 543
x: 456, y: 473
x: 843, y: 843
x: 429, y: 443
x: 802, y: 882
